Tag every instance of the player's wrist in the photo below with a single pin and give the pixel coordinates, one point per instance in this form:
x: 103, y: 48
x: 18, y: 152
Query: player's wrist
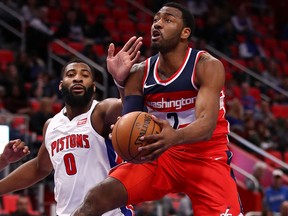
x: 3, y: 160
x: 119, y: 84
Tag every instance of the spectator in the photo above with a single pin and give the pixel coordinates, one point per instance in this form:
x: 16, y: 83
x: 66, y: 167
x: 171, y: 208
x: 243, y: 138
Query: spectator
x: 98, y: 32
x: 17, y: 102
x: 71, y: 28
x: 147, y: 208
x: 198, y: 7
x: 258, y: 172
x: 242, y: 22
x: 185, y: 206
x: 29, y: 10
x: 3, y: 110
x: 38, y: 119
x: 276, y: 194
x: 42, y: 87
x: 235, y: 115
x: 22, y: 206
x: 284, y: 209
x: 249, y: 49
x: 247, y: 100
x: 39, y: 34
x: 167, y: 206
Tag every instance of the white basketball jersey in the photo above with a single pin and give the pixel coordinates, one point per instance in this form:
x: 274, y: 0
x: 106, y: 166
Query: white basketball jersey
x: 81, y: 158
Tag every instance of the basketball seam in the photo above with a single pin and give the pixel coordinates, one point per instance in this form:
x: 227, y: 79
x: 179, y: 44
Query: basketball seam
x: 135, y: 157
x: 123, y: 155
x: 129, y: 144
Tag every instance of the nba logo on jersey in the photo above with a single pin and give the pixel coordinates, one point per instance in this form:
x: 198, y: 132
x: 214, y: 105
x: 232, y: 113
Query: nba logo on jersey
x: 82, y: 122
x: 226, y: 213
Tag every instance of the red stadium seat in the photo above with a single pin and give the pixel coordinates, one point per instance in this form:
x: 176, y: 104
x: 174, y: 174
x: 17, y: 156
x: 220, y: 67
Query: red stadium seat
x: 6, y: 56
x: 10, y: 204
x: 35, y: 105
x: 58, y: 50
x: 284, y: 45
x: 120, y: 14
x: 276, y: 154
x: 109, y: 24
x: 144, y: 28
x: 280, y: 111
x: 57, y: 107
x: 120, y: 3
x: 99, y: 49
x: 78, y: 46
x: 255, y: 92
x: 101, y: 10
x: 285, y: 68
x: 280, y: 55
x: 270, y: 43
x: 126, y: 26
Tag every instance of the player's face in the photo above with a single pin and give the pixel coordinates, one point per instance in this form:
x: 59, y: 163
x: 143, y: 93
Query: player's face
x: 166, y: 29
x: 77, y: 86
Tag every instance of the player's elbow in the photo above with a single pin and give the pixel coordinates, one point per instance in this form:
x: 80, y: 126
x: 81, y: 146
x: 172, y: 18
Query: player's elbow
x: 209, y: 131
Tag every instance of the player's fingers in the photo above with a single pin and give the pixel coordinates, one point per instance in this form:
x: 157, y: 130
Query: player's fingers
x: 160, y: 122
x: 135, y: 59
x: 135, y: 46
x: 19, y: 144
x: 26, y: 150
x: 129, y: 43
x: 111, y: 50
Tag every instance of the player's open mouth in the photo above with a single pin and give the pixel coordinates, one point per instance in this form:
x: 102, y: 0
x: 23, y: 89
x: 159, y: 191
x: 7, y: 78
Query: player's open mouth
x: 78, y: 88
x: 156, y: 35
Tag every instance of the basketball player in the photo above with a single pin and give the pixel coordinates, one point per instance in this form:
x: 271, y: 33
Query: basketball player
x: 76, y: 143
x: 183, y: 88
x: 14, y: 151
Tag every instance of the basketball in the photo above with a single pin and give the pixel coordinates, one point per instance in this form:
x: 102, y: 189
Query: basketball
x: 126, y: 135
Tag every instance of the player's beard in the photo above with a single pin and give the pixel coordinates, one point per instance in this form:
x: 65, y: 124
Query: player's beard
x: 77, y: 100
x: 165, y: 46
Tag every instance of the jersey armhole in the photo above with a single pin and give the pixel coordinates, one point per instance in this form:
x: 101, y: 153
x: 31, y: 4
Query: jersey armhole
x: 194, y: 70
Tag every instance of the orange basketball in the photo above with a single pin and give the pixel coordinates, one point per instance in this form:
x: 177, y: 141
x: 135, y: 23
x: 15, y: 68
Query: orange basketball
x: 127, y: 131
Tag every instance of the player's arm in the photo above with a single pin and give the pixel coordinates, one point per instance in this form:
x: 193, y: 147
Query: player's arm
x: 133, y: 100
x: 210, y: 77
x: 30, y: 172
x: 107, y: 111
x: 119, y: 66
x: 13, y: 151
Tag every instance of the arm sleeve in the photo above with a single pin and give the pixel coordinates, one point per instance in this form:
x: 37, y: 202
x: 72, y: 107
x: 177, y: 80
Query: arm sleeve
x: 133, y: 103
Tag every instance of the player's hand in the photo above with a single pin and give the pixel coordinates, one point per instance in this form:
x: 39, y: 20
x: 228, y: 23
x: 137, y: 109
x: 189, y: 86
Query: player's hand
x: 112, y: 126
x: 14, y: 151
x: 159, y: 143
x: 119, y: 66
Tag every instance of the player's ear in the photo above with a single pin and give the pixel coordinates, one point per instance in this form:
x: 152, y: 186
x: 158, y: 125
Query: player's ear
x: 186, y: 33
x: 94, y: 86
x: 60, y: 85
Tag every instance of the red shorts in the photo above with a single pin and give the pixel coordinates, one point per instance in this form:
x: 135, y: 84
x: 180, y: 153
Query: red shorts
x: 207, y: 180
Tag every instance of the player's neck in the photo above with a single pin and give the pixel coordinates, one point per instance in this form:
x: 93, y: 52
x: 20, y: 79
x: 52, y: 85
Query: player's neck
x: 73, y: 111
x: 170, y: 62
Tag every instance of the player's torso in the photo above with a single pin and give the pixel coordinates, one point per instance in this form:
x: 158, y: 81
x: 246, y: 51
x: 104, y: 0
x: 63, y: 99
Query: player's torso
x: 81, y: 158
x: 174, y: 99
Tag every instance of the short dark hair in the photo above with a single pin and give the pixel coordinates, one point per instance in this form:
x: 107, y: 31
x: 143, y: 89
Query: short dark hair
x: 188, y: 18
x: 77, y: 60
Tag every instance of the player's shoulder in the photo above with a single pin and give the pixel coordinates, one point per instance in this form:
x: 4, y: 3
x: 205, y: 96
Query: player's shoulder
x: 108, y: 103
x: 138, y: 67
x: 206, y: 57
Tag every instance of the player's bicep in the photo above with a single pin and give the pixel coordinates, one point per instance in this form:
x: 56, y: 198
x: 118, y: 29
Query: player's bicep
x: 44, y: 163
x: 211, y: 79
x: 133, y: 84
x: 133, y: 100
